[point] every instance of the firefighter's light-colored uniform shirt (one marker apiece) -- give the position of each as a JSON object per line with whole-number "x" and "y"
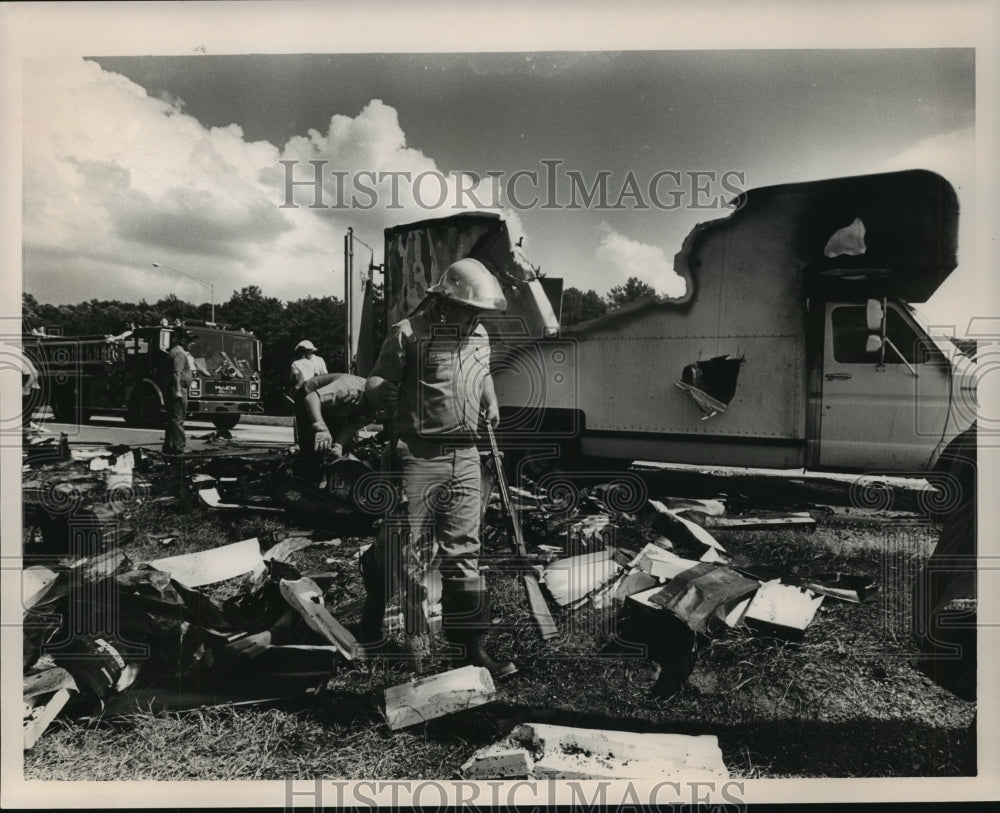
{"x": 441, "y": 377}
{"x": 305, "y": 368}
{"x": 181, "y": 367}
{"x": 343, "y": 396}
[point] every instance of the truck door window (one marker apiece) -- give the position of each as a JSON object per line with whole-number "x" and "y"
{"x": 850, "y": 332}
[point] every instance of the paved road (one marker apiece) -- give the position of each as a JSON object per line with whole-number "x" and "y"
{"x": 102, "y": 429}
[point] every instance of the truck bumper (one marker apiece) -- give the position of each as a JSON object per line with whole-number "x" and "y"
{"x": 199, "y": 407}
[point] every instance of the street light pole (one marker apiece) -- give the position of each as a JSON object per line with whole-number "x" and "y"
{"x": 209, "y": 285}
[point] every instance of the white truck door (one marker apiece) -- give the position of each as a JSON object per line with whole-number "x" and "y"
{"x": 880, "y": 416}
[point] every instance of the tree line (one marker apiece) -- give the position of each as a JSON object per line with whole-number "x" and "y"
{"x": 279, "y": 325}
{"x": 579, "y": 306}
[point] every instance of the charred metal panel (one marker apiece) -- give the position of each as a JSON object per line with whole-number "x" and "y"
{"x": 749, "y": 276}
{"x": 891, "y": 234}
{"x": 629, "y": 386}
{"x": 417, "y": 254}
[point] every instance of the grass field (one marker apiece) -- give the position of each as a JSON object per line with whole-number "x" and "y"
{"x": 844, "y": 702}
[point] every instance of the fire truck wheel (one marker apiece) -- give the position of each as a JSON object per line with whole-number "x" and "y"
{"x": 225, "y": 420}
{"x": 145, "y": 409}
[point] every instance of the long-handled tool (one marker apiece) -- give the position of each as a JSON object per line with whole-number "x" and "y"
{"x": 529, "y": 577}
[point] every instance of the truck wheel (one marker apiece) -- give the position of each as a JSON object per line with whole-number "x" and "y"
{"x": 225, "y": 420}
{"x": 145, "y": 409}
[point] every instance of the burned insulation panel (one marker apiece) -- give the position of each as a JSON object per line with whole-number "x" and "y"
{"x": 712, "y": 383}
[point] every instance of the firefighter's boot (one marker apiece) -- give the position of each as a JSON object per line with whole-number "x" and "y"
{"x": 465, "y": 619}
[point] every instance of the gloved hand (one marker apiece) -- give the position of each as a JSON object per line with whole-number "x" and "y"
{"x": 324, "y": 440}
{"x": 336, "y": 451}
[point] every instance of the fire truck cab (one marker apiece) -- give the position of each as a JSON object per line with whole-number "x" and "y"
{"x": 126, "y": 374}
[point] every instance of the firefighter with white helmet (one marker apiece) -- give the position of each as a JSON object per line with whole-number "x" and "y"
{"x": 307, "y": 364}
{"x": 433, "y": 380}
{"x": 467, "y": 282}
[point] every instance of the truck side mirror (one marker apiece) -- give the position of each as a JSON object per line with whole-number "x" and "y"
{"x": 874, "y": 315}
{"x": 873, "y": 344}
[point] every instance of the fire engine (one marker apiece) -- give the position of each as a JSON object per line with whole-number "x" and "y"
{"x": 126, "y": 374}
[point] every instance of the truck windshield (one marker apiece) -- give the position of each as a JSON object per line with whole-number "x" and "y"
{"x": 216, "y": 353}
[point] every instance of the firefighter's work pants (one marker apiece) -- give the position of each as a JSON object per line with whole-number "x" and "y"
{"x": 175, "y": 440}
{"x": 443, "y": 501}
{"x": 442, "y": 516}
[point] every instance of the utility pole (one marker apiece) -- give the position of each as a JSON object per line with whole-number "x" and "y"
{"x": 348, "y": 295}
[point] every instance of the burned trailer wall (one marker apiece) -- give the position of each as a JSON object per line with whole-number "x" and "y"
{"x": 733, "y": 373}
{"x": 528, "y": 368}
{"x": 744, "y": 301}
{"x": 417, "y": 254}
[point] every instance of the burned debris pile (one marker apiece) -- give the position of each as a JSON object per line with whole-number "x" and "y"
{"x": 106, "y": 633}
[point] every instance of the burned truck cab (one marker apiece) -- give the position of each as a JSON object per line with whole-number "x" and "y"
{"x": 887, "y": 390}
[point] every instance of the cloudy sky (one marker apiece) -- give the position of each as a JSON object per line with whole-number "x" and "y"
{"x": 177, "y": 159}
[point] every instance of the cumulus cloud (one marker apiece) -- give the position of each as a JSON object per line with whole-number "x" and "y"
{"x": 950, "y": 154}
{"x": 115, "y": 180}
{"x": 968, "y": 290}
{"x": 625, "y": 258}
{"x": 365, "y": 164}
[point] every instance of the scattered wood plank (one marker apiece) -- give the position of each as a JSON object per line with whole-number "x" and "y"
{"x": 561, "y": 752}
{"x": 713, "y": 508}
{"x": 759, "y": 523}
{"x": 48, "y": 682}
{"x": 498, "y": 761}
{"x": 41, "y": 716}
{"x": 783, "y": 484}
{"x": 590, "y": 532}
{"x": 305, "y": 597}
{"x": 423, "y": 699}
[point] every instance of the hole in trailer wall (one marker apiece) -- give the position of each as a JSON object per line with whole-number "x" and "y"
{"x": 712, "y": 383}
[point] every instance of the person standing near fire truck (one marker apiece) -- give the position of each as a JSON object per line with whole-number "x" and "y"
{"x": 180, "y": 369}
{"x": 433, "y": 380}
{"x": 307, "y": 365}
